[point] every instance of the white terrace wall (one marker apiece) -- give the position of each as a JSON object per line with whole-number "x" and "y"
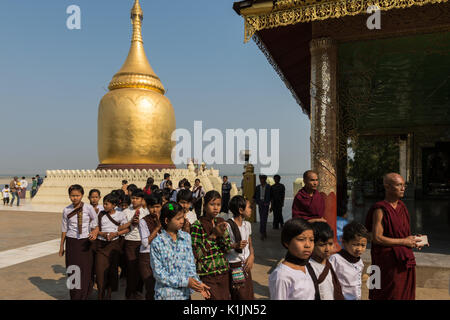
{"x": 54, "y": 189}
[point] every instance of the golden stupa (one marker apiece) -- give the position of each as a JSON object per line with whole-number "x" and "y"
{"x": 135, "y": 119}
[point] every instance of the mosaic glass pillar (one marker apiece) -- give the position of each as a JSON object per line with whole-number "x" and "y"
{"x": 324, "y": 117}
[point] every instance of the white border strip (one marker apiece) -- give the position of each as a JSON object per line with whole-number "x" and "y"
{"x": 15, "y": 256}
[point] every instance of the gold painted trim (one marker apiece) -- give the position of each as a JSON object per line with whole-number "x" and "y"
{"x": 121, "y": 85}
{"x": 289, "y": 12}
{"x": 136, "y": 80}
{"x": 258, "y": 9}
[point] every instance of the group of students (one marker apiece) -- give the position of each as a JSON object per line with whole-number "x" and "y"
{"x": 161, "y": 246}
{"x": 164, "y": 248}
{"x": 311, "y": 270}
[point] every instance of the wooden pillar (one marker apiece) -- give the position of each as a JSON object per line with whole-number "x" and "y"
{"x": 250, "y": 188}
{"x": 324, "y": 117}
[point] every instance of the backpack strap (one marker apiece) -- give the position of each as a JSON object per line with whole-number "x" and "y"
{"x": 100, "y": 216}
{"x": 236, "y": 233}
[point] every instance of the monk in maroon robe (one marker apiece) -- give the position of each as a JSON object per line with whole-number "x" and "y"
{"x": 392, "y": 243}
{"x": 308, "y": 203}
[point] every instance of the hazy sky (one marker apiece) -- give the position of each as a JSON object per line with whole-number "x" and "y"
{"x": 52, "y": 78}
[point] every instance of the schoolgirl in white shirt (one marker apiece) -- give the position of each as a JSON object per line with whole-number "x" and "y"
{"x": 149, "y": 227}
{"x": 76, "y": 236}
{"x": 241, "y": 257}
{"x": 291, "y": 279}
{"x": 133, "y": 243}
{"x": 108, "y": 247}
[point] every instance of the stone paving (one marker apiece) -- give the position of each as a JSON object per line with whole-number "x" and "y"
{"x": 44, "y": 278}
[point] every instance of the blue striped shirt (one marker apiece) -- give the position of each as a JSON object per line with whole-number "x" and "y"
{"x": 172, "y": 264}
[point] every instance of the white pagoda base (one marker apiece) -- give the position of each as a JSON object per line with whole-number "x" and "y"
{"x": 53, "y": 192}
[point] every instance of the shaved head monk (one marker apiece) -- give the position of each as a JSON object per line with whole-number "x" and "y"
{"x": 308, "y": 203}
{"x": 392, "y": 243}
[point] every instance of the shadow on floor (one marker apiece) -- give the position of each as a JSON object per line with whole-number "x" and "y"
{"x": 54, "y": 288}
{"x": 270, "y": 251}
{"x": 261, "y": 290}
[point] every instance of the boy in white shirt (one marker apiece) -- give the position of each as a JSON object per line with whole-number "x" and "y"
{"x": 5, "y": 192}
{"x": 327, "y": 280}
{"x": 185, "y": 199}
{"x": 133, "y": 243}
{"x": 348, "y": 263}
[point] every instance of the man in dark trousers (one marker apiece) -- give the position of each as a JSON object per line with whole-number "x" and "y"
{"x": 278, "y": 192}
{"x": 262, "y": 199}
{"x": 226, "y": 188}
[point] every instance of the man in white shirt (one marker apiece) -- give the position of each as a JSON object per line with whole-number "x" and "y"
{"x": 162, "y": 185}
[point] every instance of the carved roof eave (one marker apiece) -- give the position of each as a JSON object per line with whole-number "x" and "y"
{"x": 259, "y": 42}
{"x": 266, "y": 15}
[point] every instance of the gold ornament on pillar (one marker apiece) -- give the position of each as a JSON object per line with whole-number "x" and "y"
{"x": 324, "y": 110}
{"x": 135, "y": 119}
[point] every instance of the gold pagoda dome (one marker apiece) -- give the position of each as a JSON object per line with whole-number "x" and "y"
{"x": 135, "y": 119}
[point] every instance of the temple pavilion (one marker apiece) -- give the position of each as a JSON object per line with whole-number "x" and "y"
{"x": 355, "y": 79}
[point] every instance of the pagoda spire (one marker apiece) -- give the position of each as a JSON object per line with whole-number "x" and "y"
{"x": 136, "y": 72}
{"x": 137, "y": 15}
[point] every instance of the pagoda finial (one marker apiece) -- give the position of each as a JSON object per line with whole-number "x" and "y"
{"x": 136, "y": 72}
{"x": 137, "y": 15}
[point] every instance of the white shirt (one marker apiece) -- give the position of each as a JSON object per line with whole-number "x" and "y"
{"x": 133, "y": 235}
{"x": 199, "y": 192}
{"x": 286, "y": 283}
{"x": 120, "y": 210}
{"x": 70, "y": 226}
{"x": 23, "y": 184}
{"x": 349, "y": 275}
{"x": 6, "y": 192}
{"x": 246, "y": 231}
{"x": 108, "y": 226}
{"x": 173, "y": 195}
{"x": 263, "y": 192}
{"x": 100, "y": 209}
{"x": 144, "y": 233}
{"x": 191, "y": 216}
{"x": 162, "y": 184}
{"x": 326, "y": 288}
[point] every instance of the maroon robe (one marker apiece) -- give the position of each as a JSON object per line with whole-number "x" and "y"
{"x": 307, "y": 207}
{"x": 397, "y": 263}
